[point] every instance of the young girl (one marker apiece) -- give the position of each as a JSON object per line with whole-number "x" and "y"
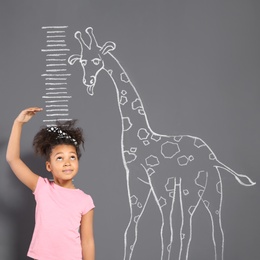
{"x": 64, "y": 215}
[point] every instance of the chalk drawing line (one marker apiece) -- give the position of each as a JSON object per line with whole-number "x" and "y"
{"x": 148, "y": 158}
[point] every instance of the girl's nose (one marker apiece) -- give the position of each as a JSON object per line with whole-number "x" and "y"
{"x": 67, "y": 163}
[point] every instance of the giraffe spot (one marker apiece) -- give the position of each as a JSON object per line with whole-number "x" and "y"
{"x": 182, "y": 236}
{"x": 124, "y": 77}
{"x": 191, "y": 209}
{"x": 201, "y": 179}
{"x": 183, "y": 160}
{"x": 152, "y": 161}
{"x": 171, "y": 194}
{"x": 129, "y": 157}
{"x": 219, "y": 187}
{"x": 150, "y": 171}
{"x": 126, "y": 123}
{"x": 186, "y": 192}
{"x": 136, "y": 218}
{"x": 124, "y": 92}
{"x": 191, "y": 158}
{"x": 142, "y": 134}
{"x": 162, "y": 202}
{"x": 177, "y": 138}
{"x": 212, "y": 156}
{"x": 146, "y": 142}
{"x": 206, "y": 203}
{"x": 133, "y": 199}
{"x": 200, "y": 193}
{"x": 169, "y": 186}
{"x": 110, "y": 72}
{"x": 139, "y": 205}
{"x": 199, "y": 143}
{"x": 156, "y": 138}
{"x": 133, "y": 149}
{"x": 169, "y": 149}
{"x": 123, "y": 100}
{"x": 136, "y": 104}
{"x": 141, "y": 111}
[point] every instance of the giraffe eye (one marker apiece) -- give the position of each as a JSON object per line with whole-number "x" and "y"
{"x": 84, "y": 62}
{"x": 96, "y": 61}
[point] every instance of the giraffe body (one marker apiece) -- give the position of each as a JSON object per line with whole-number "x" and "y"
{"x": 166, "y": 167}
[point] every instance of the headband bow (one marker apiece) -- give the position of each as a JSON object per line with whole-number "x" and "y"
{"x": 61, "y": 134}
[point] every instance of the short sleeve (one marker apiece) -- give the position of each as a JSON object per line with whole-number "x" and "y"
{"x": 40, "y": 183}
{"x": 88, "y": 204}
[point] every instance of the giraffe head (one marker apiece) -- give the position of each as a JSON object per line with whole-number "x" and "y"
{"x": 90, "y": 58}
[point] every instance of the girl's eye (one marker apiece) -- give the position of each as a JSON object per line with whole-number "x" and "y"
{"x": 59, "y": 158}
{"x": 73, "y": 157}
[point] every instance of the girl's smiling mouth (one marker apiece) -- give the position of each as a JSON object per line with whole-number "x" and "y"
{"x": 68, "y": 171}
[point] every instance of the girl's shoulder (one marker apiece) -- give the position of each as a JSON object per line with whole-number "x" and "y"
{"x": 41, "y": 183}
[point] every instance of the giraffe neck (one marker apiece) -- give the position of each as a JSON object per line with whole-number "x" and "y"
{"x": 129, "y": 102}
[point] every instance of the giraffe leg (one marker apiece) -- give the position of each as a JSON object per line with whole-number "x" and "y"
{"x": 166, "y": 208}
{"x": 190, "y": 197}
{"x": 186, "y": 230}
{"x": 185, "y": 236}
{"x": 213, "y": 206}
{"x": 165, "y": 199}
{"x": 139, "y": 193}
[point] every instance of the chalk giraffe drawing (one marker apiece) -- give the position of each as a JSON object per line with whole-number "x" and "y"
{"x": 168, "y": 167}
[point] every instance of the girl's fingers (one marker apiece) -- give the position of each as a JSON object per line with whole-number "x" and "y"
{"x": 28, "y": 113}
{"x": 34, "y": 109}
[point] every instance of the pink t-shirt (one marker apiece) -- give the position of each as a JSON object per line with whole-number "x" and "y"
{"x": 57, "y": 220}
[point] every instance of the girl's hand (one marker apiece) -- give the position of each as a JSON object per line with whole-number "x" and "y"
{"x": 27, "y": 114}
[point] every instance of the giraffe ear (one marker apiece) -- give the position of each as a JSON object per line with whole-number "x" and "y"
{"x": 73, "y": 58}
{"x": 107, "y": 47}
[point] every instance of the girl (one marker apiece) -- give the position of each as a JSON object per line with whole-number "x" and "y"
{"x": 64, "y": 215}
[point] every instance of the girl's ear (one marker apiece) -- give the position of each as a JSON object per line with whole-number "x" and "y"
{"x": 48, "y": 166}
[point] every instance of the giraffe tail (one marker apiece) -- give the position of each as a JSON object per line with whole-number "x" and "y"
{"x": 241, "y": 178}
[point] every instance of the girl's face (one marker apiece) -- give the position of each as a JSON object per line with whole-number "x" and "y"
{"x": 63, "y": 163}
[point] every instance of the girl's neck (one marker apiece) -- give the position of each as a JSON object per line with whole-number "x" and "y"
{"x": 65, "y": 184}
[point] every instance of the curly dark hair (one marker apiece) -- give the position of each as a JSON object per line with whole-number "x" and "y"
{"x": 63, "y": 133}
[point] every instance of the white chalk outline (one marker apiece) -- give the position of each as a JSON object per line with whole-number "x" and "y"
{"x": 202, "y": 181}
{"x": 55, "y": 74}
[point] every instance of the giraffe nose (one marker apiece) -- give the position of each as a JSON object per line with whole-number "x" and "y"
{"x": 92, "y": 80}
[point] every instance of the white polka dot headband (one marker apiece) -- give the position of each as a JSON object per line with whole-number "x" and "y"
{"x": 61, "y": 134}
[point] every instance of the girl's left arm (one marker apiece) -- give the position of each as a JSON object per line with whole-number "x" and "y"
{"x": 87, "y": 236}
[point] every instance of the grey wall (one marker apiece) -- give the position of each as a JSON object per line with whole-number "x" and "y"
{"x": 195, "y": 65}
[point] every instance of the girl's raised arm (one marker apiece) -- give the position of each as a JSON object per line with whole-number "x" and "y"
{"x": 20, "y": 169}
